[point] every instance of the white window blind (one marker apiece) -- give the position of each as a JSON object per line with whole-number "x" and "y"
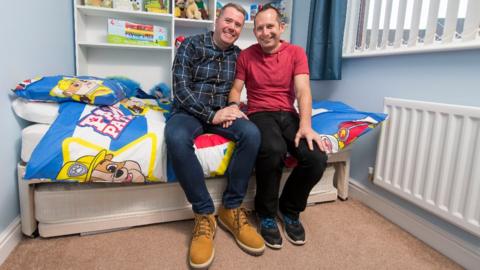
{"x": 382, "y": 27}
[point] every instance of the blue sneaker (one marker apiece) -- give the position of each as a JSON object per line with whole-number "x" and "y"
{"x": 293, "y": 229}
{"x": 270, "y": 233}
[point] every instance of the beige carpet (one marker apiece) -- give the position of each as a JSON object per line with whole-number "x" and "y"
{"x": 340, "y": 235}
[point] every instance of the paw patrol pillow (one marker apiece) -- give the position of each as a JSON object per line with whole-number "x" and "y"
{"x": 341, "y": 124}
{"x": 213, "y": 152}
{"x": 86, "y": 89}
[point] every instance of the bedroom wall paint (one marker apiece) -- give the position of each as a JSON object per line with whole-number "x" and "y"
{"x": 449, "y": 77}
{"x": 37, "y": 40}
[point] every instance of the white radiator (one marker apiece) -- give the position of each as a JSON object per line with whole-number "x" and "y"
{"x": 429, "y": 154}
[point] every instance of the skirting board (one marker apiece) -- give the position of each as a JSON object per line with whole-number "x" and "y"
{"x": 444, "y": 242}
{"x": 9, "y": 239}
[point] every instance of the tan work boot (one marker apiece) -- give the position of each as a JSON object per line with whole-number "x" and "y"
{"x": 202, "y": 249}
{"x": 236, "y": 222}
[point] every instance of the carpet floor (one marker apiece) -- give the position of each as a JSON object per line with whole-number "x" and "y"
{"x": 340, "y": 235}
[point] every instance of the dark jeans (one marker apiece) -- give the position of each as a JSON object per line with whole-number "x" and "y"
{"x": 180, "y": 132}
{"x": 278, "y": 131}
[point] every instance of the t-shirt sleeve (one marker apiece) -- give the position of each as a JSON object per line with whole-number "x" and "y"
{"x": 301, "y": 62}
{"x": 241, "y": 67}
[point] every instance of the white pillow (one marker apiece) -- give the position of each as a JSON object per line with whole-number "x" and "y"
{"x": 35, "y": 111}
{"x": 31, "y": 136}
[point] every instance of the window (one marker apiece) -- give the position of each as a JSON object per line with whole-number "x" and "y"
{"x": 381, "y": 27}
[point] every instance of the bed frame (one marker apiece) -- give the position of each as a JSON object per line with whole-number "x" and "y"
{"x": 71, "y": 208}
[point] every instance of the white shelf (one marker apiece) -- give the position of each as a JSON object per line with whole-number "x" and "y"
{"x": 122, "y": 46}
{"x": 193, "y": 23}
{"x": 248, "y": 25}
{"x": 109, "y": 12}
{"x": 148, "y": 65}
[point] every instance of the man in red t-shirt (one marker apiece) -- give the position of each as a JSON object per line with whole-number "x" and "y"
{"x": 275, "y": 73}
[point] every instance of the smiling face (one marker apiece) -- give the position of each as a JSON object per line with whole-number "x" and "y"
{"x": 268, "y": 29}
{"x": 117, "y": 172}
{"x": 228, "y": 27}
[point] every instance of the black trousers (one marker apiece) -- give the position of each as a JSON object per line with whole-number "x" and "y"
{"x": 278, "y": 130}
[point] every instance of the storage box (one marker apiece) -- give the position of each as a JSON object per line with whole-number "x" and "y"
{"x": 125, "y": 32}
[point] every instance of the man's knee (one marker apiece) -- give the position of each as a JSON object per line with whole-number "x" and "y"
{"x": 273, "y": 150}
{"x": 251, "y": 133}
{"x": 315, "y": 158}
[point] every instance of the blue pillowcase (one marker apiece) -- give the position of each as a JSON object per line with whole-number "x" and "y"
{"x": 86, "y": 89}
{"x": 342, "y": 124}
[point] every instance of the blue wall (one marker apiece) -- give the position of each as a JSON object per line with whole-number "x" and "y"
{"x": 449, "y": 77}
{"x": 37, "y": 39}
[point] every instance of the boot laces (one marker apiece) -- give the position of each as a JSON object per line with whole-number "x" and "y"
{"x": 240, "y": 217}
{"x": 203, "y": 226}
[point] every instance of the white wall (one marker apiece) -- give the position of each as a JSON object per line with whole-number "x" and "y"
{"x": 36, "y": 39}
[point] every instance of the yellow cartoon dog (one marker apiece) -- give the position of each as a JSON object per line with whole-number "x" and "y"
{"x": 101, "y": 168}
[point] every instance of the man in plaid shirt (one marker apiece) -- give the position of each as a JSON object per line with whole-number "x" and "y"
{"x": 203, "y": 72}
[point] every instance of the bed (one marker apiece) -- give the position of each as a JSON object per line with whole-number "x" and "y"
{"x": 62, "y": 208}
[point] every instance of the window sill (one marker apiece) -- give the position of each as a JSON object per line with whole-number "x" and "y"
{"x": 440, "y": 47}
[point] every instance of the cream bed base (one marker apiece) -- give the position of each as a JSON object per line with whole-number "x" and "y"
{"x": 63, "y": 208}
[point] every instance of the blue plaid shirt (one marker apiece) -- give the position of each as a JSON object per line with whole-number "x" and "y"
{"x": 203, "y": 76}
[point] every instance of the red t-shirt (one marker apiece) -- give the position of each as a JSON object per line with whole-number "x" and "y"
{"x": 269, "y": 78}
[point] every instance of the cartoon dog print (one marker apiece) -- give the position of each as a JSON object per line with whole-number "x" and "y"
{"x": 101, "y": 168}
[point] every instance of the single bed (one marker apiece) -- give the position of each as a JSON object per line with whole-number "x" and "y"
{"x": 62, "y": 208}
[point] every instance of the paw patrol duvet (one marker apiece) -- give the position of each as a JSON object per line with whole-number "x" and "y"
{"x": 121, "y": 143}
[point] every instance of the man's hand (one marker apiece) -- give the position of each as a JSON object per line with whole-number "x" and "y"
{"x": 310, "y": 135}
{"x": 227, "y": 115}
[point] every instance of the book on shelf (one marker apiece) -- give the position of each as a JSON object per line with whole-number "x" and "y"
{"x": 99, "y": 3}
{"x": 125, "y": 32}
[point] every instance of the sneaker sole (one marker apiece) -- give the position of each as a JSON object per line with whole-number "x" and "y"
{"x": 247, "y": 249}
{"x": 276, "y": 247}
{"x": 203, "y": 265}
{"x": 298, "y": 242}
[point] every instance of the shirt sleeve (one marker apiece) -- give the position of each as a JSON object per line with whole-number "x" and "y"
{"x": 301, "y": 62}
{"x": 241, "y": 66}
{"x": 182, "y": 77}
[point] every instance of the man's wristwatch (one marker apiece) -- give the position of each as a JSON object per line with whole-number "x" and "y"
{"x": 234, "y": 103}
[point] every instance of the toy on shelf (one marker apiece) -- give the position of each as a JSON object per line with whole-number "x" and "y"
{"x": 99, "y": 3}
{"x": 125, "y": 32}
{"x": 157, "y": 6}
{"x": 131, "y": 5}
{"x": 218, "y": 8}
{"x": 281, "y": 6}
{"x": 254, "y": 8}
{"x": 192, "y": 11}
{"x": 179, "y": 10}
{"x": 202, "y": 8}
{"x": 178, "y": 41}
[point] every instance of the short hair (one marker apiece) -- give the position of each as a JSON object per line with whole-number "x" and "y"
{"x": 235, "y": 6}
{"x": 267, "y": 7}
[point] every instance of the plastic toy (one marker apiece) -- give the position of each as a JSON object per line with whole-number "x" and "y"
{"x": 178, "y": 41}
